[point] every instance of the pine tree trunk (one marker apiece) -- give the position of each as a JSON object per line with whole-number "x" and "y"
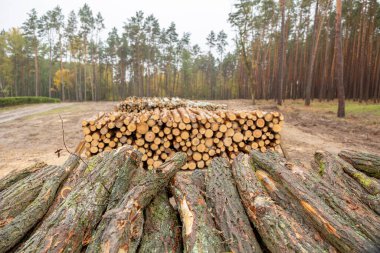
{"x": 124, "y": 223}
{"x": 278, "y": 229}
{"x": 339, "y": 61}
{"x": 284, "y": 199}
{"x": 227, "y": 209}
{"x": 198, "y": 228}
{"x": 310, "y": 191}
{"x": 16, "y": 198}
{"x": 367, "y": 163}
{"x": 69, "y": 227}
{"x": 122, "y": 184}
{"x": 281, "y": 54}
{"x": 36, "y": 71}
{"x": 333, "y": 191}
{"x": 15, "y": 175}
{"x": 18, "y": 225}
{"x": 162, "y": 229}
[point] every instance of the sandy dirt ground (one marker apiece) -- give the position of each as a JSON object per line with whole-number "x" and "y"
{"x": 30, "y": 134}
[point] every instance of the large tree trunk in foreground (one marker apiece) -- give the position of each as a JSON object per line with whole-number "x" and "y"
{"x": 162, "y": 229}
{"x": 16, "y": 198}
{"x": 20, "y": 224}
{"x": 15, "y": 175}
{"x": 199, "y": 233}
{"x": 120, "y": 188}
{"x": 333, "y": 190}
{"x": 282, "y": 198}
{"x": 367, "y": 163}
{"x": 310, "y": 191}
{"x": 123, "y": 233}
{"x": 227, "y": 209}
{"x": 70, "y": 226}
{"x": 278, "y": 229}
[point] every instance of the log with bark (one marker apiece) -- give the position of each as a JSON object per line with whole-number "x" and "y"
{"x": 278, "y": 229}
{"x": 124, "y": 222}
{"x": 199, "y": 233}
{"x": 227, "y": 209}
{"x": 365, "y": 162}
{"x": 119, "y": 189}
{"x": 261, "y": 203}
{"x": 16, "y": 175}
{"x": 20, "y": 217}
{"x": 162, "y": 229}
{"x": 321, "y": 204}
{"x": 69, "y": 227}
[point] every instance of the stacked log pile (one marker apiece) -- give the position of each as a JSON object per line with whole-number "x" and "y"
{"x": 201, "y": 134}
{"x": 137, "y": 104}
{"x": 259, "y": 203}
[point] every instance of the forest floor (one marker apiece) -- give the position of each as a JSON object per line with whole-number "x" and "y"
{"x": 33, "y": 133}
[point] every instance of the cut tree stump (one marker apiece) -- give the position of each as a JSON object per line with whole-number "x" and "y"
{"x": 69, "y": 227}
{"x": 277, "y": 228}
{"x": 199, "y": 233}
{"x": 228, "y": 211}
{"x": 308, "y": 189}
{"x": 365, "y": 162}
{"x": 123, "y": 233}
{"x": 162, "y": 229}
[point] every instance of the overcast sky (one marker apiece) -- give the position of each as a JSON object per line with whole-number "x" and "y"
{"x": 198, "y": 17}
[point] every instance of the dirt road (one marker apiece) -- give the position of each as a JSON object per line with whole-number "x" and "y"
{"x": 36, "y": 133}
{"x": 20, "y": 112}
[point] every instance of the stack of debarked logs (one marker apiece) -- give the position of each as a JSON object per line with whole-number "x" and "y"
{"x": 260, "y": 203}
{"x": 200, "y": 133}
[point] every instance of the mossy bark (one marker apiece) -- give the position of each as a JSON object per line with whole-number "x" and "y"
{"x": 227, "y": 209}
{"x": 16, "y": 198}
{"x": 319, "y": 204}
{"x": 199, "y": 233}
{"x": 278, "y": 229}
{"x": 333, "y": 190}
{"x": 370, "y": 184}
{"x": 17, "y": 175}
{"x": 365, "y": 162}
{"x": 70, "y": 226}
{"x": 124, "y": 225}
{"x": 281, "y": 197}
{"x": 17, "y": 228}
{"x": 359, "y": 185}
{"x": 120, "y": 188}
{"x": 162, "y": 229}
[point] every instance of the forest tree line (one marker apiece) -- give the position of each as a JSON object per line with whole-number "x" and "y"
{"x": 66, "y": 57}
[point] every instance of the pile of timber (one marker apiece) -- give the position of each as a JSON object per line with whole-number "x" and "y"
{"x": 260, "y": 203}
{"x": 201, "y": 134}
{"x": 138, "y": 104}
